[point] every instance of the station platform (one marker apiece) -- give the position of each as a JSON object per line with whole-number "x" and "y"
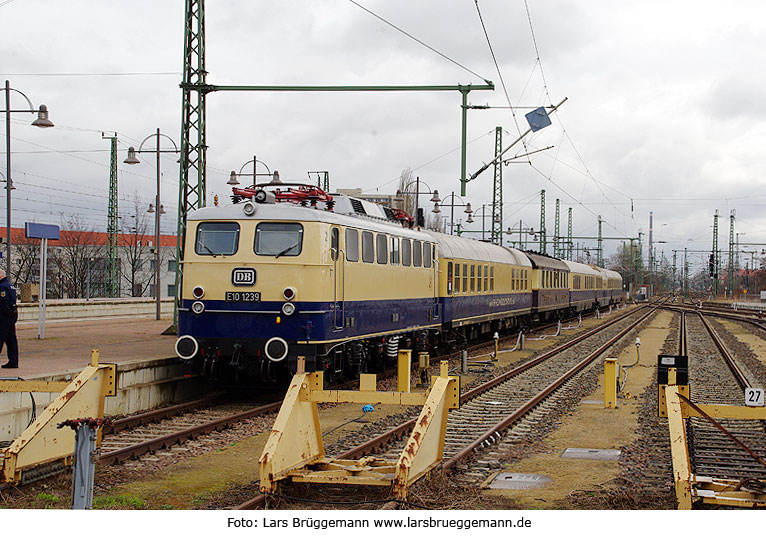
{"x": 68, "y": 343}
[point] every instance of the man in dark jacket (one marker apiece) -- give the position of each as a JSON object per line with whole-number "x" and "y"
{"x": 8, "y": 316}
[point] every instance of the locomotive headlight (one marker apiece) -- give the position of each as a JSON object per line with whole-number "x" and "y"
{"x": 288, "y": 308}
{"x": 198, "y": 307}
{"x": 198, "y": 292}
{"x": 289, "y": 293}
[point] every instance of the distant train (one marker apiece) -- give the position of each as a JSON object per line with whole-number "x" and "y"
{"x": 288, "y": 270}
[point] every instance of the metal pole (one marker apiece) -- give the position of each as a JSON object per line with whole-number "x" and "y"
{"x": 463, "y": 138}
{"x": 84, "y": 469}
{"x": 43, "y": 289}
{"x": 452, "y": 213}
{"x": 157, "y": 232}
{"x": 87, "y": 281}
{"x": 8, "y": 183}
{"x": 255, "y": 179}
{"x": 482, "y": 222}
{"x": 417, "y": 193}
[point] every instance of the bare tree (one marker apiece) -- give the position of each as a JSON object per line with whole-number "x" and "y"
{"x": 79, "y": 250}
{"x": 405, "y": 178}
{"x": 26, "y": 265}
{"x": 135, "y": 252}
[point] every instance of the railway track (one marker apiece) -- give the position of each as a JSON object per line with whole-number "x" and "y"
{"x": 716, "y": 376}
{"x": 518, "y": 399}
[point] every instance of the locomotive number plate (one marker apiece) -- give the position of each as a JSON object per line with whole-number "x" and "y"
{"x": 243, "y": 296}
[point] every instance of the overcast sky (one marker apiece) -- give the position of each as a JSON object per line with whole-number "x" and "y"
{"x": 665, "y": 105}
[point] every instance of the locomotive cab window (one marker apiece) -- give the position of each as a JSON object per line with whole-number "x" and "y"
{"x": 217, "y": 239}
{"x": 278, "y": 239}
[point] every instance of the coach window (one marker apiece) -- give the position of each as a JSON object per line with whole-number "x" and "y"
{"x": 278, "y": 239}
{"x": 427, "y": 254}
{"x": 449, "y": 278}
{"x": 478, "y": 279}
{"x": 352, "y": 245}
{"x": 465, "y": 278}
{"x": 382, "y": 243}
{"x": 417, "y": 253}
{"x": 406, "y": 252}
{"x": 473, "y": 277}
{"x": 217, "y": 239}
{"x": 492, "y": 278}
{"x": 526, "y": 286}
{"x": 394, "y": 250}
{"x": 368, "y": 248}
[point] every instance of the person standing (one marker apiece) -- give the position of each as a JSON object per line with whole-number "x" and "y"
{"x": 8, "y": 316}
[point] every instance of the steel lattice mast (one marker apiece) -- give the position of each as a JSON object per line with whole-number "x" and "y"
{"x": 542, "y": 221}
{"x": 112, "y": 280}
{"x": 569, "y": 236}
{"x": 497, "y": 193}
{"x": 556, "y": 232}
{"x": 731, "y": 254}
{"x": 600, "y": 260}
{"x": 192, "y": 179}
{"x": 715, "y": 253}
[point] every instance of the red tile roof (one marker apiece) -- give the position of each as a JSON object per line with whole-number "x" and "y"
{"x": 92, "y": 238}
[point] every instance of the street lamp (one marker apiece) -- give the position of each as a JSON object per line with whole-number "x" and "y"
{"x": 132, "y": 159}
{"x": 435, "y": 198}
{"x": 234, "y": 175}
{"x": 452, "y": 205}
{"x": 42, "y": 121}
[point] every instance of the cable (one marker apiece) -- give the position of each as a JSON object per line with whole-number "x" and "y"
{"x": 392, "y": 25}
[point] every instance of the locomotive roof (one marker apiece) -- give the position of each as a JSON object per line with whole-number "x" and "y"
{"x": 455, "y": 247}
{"x": 285, "y": 211}
{"x": 544, "y": 261}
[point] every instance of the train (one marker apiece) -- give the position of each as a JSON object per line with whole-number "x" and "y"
{"x": 288, "y": 271}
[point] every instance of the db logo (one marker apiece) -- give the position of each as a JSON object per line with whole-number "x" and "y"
{"x": 243, "y": 276}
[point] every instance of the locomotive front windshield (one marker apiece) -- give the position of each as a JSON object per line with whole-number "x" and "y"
{"x": 217, "y": 239}
{"x": 278, "y": 239}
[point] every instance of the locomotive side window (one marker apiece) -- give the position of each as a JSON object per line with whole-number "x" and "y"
{"x": 278, "y": 239}
{"x": 449, "y": 278}
{"x": 394, "y": 250}
{"x": 406, "y": 252}
{"x": 334, "y": 243}
{"x": 352, "y": 245}
{"x": 417, "y": 253}
{"x": 368, "y": 249}
{"x": 427, "y": 255}
{"x": 217, "y": 239}
{"x": 382, "y": 242}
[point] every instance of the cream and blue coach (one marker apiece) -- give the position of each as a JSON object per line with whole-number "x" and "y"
{"x": 482, "y": 286}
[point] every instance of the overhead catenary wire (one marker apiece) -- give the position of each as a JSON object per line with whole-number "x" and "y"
{"x": 421, "y": 42}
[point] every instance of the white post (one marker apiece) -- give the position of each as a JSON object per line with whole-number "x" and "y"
{"x": 43, "y": 289}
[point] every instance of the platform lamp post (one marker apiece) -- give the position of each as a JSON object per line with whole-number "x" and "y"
{"x": 234, "y": 175}
{"x": 42, "y": 121}
{"x": 434, "y": 198}
{"x": 157, "y": 207}
{"x": 452, "y": 205}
